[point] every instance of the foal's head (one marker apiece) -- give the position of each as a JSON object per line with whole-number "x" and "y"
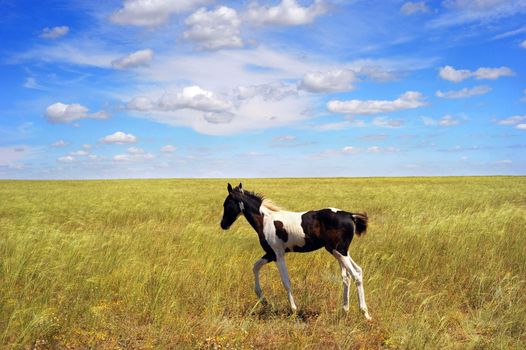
{"x": 232, "y": 206}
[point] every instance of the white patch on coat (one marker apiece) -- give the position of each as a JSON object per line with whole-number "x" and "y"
{"x": 291, "y": 224}
{"x": 335, "y": 210}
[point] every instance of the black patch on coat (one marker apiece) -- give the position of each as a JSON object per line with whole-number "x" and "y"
{"x": 280, "y": 231}
{"x": 269, "y": 257}
{"x": 325, "y": 228}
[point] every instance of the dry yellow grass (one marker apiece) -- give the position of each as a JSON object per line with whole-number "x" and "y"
{"x": 144, "y": 264}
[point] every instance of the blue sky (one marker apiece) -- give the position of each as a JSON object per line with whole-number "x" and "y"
{"x": 203, "y": 88}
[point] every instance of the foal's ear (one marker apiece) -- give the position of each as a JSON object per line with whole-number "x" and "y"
{"x": 240, "y": 186}
{"x": 229, "y": 187}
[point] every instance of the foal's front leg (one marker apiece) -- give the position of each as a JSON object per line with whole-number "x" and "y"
{"x": 257, "y": 266}
{"x": 280, "y": 261}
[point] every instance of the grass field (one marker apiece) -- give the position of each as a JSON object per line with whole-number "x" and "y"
{"x": 143, "y": 264}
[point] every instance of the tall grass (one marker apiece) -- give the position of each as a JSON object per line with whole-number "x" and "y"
{"x": 144, "y": 264}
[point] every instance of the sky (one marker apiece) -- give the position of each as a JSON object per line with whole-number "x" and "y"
{"x": 234, "y": 89}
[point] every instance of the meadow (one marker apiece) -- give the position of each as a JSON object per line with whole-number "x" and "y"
{"x": 143, "y": 264}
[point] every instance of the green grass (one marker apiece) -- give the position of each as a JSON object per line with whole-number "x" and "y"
{"x": 144, "y": 264}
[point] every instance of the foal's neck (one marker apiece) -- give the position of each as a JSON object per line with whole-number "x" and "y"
{"x": 251, "y": 212}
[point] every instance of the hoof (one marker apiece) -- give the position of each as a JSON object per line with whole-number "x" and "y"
{"x": 294, "y": 309}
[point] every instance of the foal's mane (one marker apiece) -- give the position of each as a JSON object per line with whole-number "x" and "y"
{"x": 270, "y": 205}
{"x": 265, "y": 202}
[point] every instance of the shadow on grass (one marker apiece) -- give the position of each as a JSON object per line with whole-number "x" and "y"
{"x": 267, "y": 311}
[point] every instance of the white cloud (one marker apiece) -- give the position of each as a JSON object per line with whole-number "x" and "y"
{"x": 133, "y": 157}
{"x": 260, "y": 96}
{"x": 476, "y": 5}
{"x": 54, "y": 32}
{"x": 135, "y": 150}
{"x": 152, "y": 12}
{"x": 343, "y": 79}
{"x": 387, "y": 123}
{"x": 376, "y": 73}
{"x": 521, "y": 126}
{"x": 66, "y": 113}
{"x": 214, "y": 30}
{"x": 140, "y": 103}
{"x": 457, "y": 75}
{"x": 493, "y": 73}
{"x": 59, "y": 143}
{"x": 81, "y": 52}
{"x": 350, "y": 149}
{"x": 11, "y": 156}
{"x": 286, "y": 13}
{"x": 210, "y": 113}
{"x": 224, "y": 117}
{"x": 510, "y": 33}
{"x": 428, "y": 121}
{"x": 447, "y": 120}
{"x": 330, "y": 81}
{"x": 269, "y": 92}
{"x": 377, "y": 149}
{"x": 371, "y": 149}
{"x": 465, "y": 92}
{"x": 66, "y": 159}
{"x": 193, "y": 97}
{"x": 350, "y": 122}
{"x": 523, "y": 44}
{"x": 168, "y": 149}
{"x": 122, "y": 158}
{"x": 223, "y": 70}
{"x": 135, "y": 59}
{"x": 468, "y": 11}
{"x": 410, "y": 8}
{"x": 31, "y": 83}
{"x": 79, "y": 153}
{"x": 514, "y": 120}
{"x": 409, "y": 100}
{"x": 119, "y": 138}
{"x": 284, "y": 138}
{"x": 214, "y": 108}
{"x": 454, "y": 75}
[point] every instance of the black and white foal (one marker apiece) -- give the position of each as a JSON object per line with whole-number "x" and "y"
{"x": 282, "y": 231}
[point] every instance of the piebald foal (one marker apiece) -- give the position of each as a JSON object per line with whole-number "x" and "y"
{"x": 282, "y": 231}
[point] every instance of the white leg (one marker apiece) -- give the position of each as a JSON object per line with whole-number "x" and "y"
{"x": 358, "y": 279}
{"x": 346, "y": 282}
{"x": 359, "y": 285}
{"x": 286, "y": 281}
{"x": 257, "y": 266}
{"x": 355, "y": 265}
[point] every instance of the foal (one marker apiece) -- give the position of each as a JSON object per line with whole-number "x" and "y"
{"x": 282, "y": 231}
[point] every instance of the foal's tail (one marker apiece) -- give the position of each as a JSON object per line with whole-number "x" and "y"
{"x": 360, "y": 220}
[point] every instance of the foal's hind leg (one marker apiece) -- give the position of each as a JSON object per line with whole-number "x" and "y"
{"x": 257, "y": 266}
{"x": 346, "y": 282}
{"x": 356, "y": 273}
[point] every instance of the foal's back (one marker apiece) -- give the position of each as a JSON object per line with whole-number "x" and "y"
{"x": 307, "y": 231}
